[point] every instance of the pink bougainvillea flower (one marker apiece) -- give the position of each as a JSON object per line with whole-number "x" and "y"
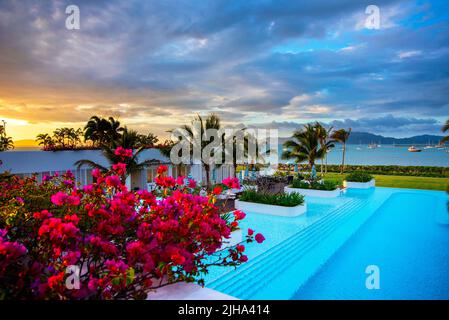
{"x": 232, "y": 183}
{"x": 88, "y": 189}
{"x": 162, "y": 169}
{"x": 113, "y": 181}
{"x": 259, "y": 238}
{"x": 60, "y": 198}
{"x": 96, "y": 173}
{"x": 239, "y": 215}
{"x": 127, "y": 242}
{"x": 166, "y": 182}
{"x": 123, "y": 153}
{"x": 180, "y": 180}
{"x": 192, "y": 183}
{"x": 120, "y": 168}
{"x": 217, "y": 190}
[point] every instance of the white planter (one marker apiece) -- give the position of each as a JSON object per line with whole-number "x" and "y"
{"x": 270, "y": 209}
{"x": 236, "y": 237}
{"x": 359, "y": 185}
{"x": 314, "y": 193}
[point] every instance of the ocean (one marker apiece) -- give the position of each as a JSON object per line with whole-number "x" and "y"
{"x": 383, "y": 155}
{"x": 389, "y": 155}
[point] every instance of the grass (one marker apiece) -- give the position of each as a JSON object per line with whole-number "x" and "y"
{"x": 412, "y": 182}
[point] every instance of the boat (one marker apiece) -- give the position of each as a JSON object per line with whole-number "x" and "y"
{"x": 428, "y": 146}
{"x": 372, "y": 146}
{"x": 413, "y": 149}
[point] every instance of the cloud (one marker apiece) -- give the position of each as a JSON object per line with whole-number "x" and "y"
{"x": 164, "y": 61}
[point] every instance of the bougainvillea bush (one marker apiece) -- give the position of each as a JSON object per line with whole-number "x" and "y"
{"x": 123, "y": 243}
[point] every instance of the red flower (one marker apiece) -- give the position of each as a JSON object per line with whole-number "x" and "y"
{"x": 60, "y": 198}
{"x": 192, "y": 183}
{"x": 55, "y": 280}
{"x": 243, "y": 258}
{"x": 240, "y": 248}
{"x": 250, "y": 232}
{"x": 123, "y": 153}
{"x": 239, "y": 215}
{"x": 259, "y": 238}
{"x": 232, "y": 183}
{"x": 96, "y": 173}
{"x": 177, "y": 258}
{"x": 113, "y": 181}
{"x": 166, "y": 182}
{"x": 162, "y": 169}
{"x": 217, "y": 190}
{"x": 120, "y": 168}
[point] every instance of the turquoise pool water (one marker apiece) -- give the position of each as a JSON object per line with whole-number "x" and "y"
{"x": 324, "y": 254}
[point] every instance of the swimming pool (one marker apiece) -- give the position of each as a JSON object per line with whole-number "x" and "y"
{"x": 324, "y": 254}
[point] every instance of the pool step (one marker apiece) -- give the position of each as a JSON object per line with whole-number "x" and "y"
{"x": 254, "y": 275}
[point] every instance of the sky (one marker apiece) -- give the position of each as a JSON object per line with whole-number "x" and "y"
{"x": 267, "y": 64}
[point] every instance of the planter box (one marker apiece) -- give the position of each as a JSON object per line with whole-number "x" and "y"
{"x": 270, "y": 209}
{"x": 359, "y": 185}
{"x": 236, "y": 237}
{"x": 314, "y": 193}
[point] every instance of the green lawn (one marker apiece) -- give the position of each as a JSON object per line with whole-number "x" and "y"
{"x": 402, "y": 181}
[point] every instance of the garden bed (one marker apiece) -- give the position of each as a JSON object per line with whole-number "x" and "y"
{"x": 359, "y": 185}
{"x": 271, "y": 209}
{"x": 359, "y": 180}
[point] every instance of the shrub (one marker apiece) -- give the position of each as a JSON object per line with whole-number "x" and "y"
{"x": 359, "y": 177}
{"x": 123, "y": 244}
{"x": 282, "y": 199}
{"x": 422, "y": 171}
{"x": 327, "y": 185}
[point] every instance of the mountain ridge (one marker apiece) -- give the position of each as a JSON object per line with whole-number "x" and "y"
{"x": 367, "y": 138}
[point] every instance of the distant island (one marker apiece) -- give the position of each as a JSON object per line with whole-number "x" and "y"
{"x": 367, "y": 138}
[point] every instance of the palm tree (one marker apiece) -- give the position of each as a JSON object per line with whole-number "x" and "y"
{"x": 444, "y": 129}
{"x": 132, "y": 164}
{"x": 342, "y": 136}
{"x": 304, "y": 146}
{"x": 211, "y": 122}
{"x": 6, "y": 143}
{"x": 148, "y": 140}
{"x": 45, "y": 140}
{"x": 242, "y": 147}
{"x": 323, "y": 137}
{"x": 102, "y": 131}
{"x": 129, "y": 139}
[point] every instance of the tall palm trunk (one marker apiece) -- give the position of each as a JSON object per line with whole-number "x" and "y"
{"x": 343, "y": 160}
{"x": 325, "y": 167}
{"x": 207, "y": 169}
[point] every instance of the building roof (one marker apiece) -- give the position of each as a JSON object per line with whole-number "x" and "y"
{"x": 42, "y": 161}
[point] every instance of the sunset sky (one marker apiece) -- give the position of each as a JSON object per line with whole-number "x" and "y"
{"x": 271, "y": 64}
